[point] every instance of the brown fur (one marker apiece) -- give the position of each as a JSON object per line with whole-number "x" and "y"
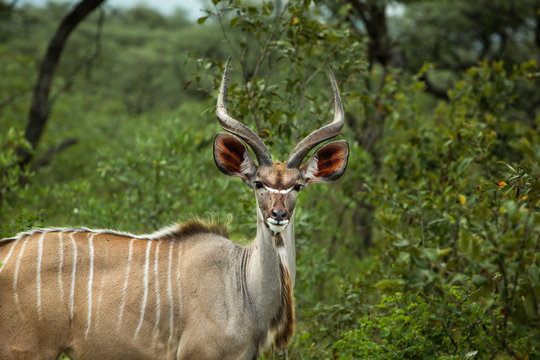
{"x": 330, "y": 159}
{"x": 29, "y": 333}
{"x": 283, "y": 322}
{"x": 279, "y": 176}
{"x": 229, "y": 154}
{"x": 197, "y": 226}
{"x": 330, "y": 162}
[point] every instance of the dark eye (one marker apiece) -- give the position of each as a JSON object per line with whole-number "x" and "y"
{"x": 298, "y": 187}
{"x": 258, "y": 184}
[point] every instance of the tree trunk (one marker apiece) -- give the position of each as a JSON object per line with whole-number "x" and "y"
{"x": 373, "y": 15}
{"x": 537, "y": 27}
{"x": 41, "y": 104}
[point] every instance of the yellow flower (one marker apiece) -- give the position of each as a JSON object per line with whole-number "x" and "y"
{"x": 524, "y": 197}
{"x": 501, "y": 184}
{"x": 462, "y": 199}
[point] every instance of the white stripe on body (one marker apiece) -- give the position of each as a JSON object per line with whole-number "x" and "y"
{"x": 145, "y": 292}
{"x": 156, "y": 276}
{"x": 90, "y": 279}
{"x": 178, "y": 280}
{"x": 124, "y": 288}
{"x": 9, "y": 254}
{"x": 60, "y": 264}
{"x": 169, "y": 293}
{"x": 16, "y": 273}
{"x": 73, "y": 273}
{"x": 38, "y": 273}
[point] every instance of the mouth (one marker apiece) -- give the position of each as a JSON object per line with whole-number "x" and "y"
{"x": 277, "y": 226}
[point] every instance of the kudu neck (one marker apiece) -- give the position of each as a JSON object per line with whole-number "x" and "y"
{"x": 264, "y": 272}
{"x": 277, "y": 246}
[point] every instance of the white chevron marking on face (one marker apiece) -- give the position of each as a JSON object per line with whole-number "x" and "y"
{"x": 277, "y": 191}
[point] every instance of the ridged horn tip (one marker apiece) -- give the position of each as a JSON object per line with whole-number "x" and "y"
{"x": 237, "y": 128}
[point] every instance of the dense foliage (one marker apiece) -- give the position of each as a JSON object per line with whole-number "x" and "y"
{"x": 429, "y": 245}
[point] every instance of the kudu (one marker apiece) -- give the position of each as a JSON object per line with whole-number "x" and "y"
{"x": 185, "y": 292}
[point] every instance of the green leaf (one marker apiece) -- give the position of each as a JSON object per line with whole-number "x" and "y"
{"x": 387, "y": 284}
{"x": 508, "y": 166}
{"x": 534, "y": 273}
{"x": 202, "y": 19}
{"x": 401, "y": 243}
{"x": 479, "y": 279}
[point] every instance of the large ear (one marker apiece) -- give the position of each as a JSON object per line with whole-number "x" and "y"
{"x": 328, "y": 163}
{"x": 232, "y": 157}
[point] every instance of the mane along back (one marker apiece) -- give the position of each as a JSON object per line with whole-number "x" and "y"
{"x": 175, "y": 231}
{"x": 193, "y": 227}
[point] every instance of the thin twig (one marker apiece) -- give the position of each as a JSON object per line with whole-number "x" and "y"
{"x": 14, "y": 97}
{"x": 262, "y": 57}
{"x": 220, "y": 20}
{"x": 47, "y": 156}
{"x": 520, "y": 257}
{"x": 86, "y": 63}
{"x": 268, "y": 40}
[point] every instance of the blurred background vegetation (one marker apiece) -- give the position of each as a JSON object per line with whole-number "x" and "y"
{"x": 429, "y": 245}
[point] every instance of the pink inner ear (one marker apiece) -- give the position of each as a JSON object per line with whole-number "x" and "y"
{"x": 230, "y": 153}
{"x": 328, "y": 167}
{"x": 328, "y": 163}
{"x": 330, "y": 159}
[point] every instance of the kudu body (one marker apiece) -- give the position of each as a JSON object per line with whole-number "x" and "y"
{"x": 185, "y": 292}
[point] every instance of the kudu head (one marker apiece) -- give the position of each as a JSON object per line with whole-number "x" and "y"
{"x": 277, "y": 184}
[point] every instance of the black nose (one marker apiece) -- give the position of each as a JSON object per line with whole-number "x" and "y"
{"x": 279, "y": 214}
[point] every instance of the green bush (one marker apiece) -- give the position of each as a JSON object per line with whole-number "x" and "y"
{"x": 457, "y": 209}
{"x": 420, "y": 327}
